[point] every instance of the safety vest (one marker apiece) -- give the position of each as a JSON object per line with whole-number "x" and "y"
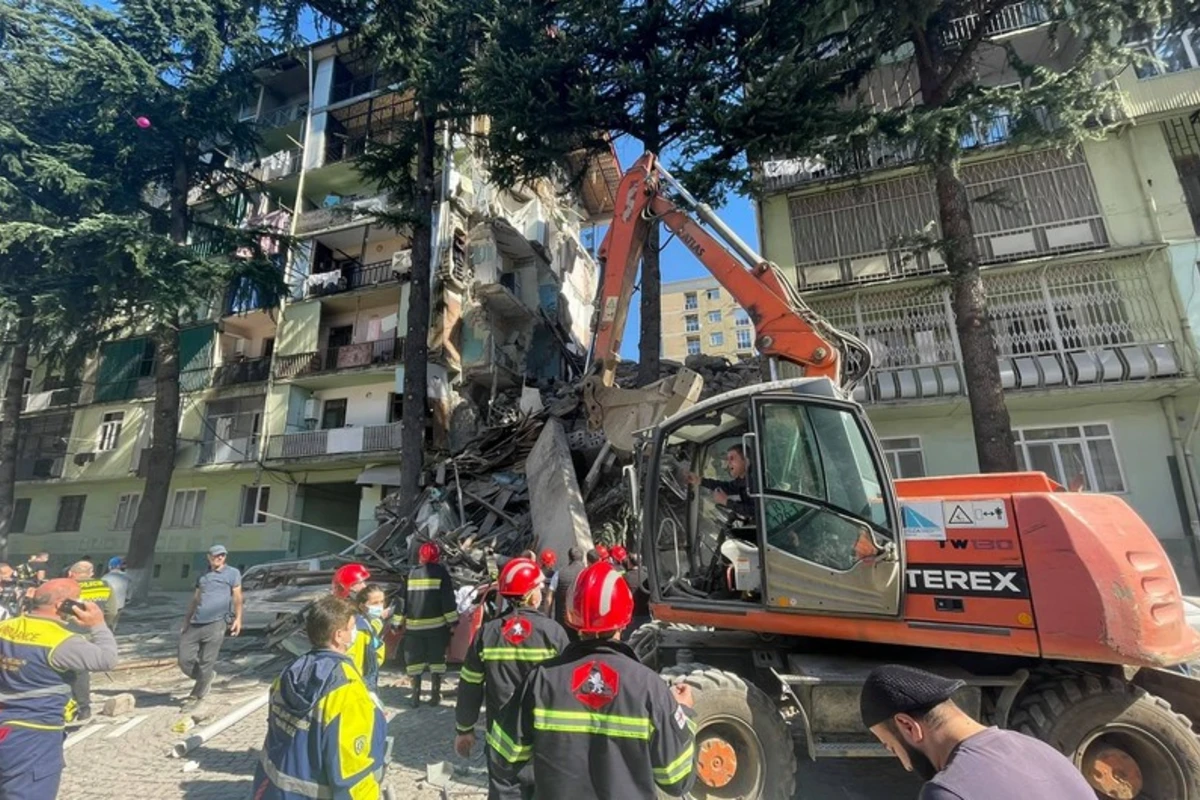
{"x": 429, "y": 599}
{"x": 33, "y": 694}
{"x": 367, "y": 651}
{"x": 95, "y": 591}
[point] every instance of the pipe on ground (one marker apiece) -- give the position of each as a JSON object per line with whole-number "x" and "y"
{"x": 201, "y": 736}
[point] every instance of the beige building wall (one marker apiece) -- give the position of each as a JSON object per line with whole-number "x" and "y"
{"x": 700, "y": 316}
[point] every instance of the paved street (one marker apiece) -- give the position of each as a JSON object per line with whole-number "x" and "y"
{"x": 129, "y": 754}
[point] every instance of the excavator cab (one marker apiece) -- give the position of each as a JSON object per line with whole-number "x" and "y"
{"x": 774, "y": 496}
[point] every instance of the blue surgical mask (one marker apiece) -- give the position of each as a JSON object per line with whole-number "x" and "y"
{"x": 375, "y": 612}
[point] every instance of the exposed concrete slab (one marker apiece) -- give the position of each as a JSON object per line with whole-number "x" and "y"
{"x": 555, "y": 502}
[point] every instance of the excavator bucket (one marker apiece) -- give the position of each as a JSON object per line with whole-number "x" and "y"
{"x": 621, "y": 413}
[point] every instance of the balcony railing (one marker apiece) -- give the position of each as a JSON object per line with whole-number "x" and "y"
{"x": 279, "y": 164}
{"x": 340, "y": 147}
{"x": 1069, "y": 325}
{"x": 55, "y": 398}
{"x": 345, "y": 279}
{"x": 351, "y": 356}
{"x": 341, "y": 215}
{"x": 284, "y": 115}
{"x": 337, "y": 441}
{"x": 232, "y": 451}
{"x": 1012, "y": 17}
{"x": 249, "y": 370}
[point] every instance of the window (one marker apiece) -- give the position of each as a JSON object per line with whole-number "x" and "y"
{"x": 185, "y": 570}
{"x": 716, "y": 339}
{"x": 396, "y": 408}
{"x": 27, "y": 383}
{"x": 1166, "y": 52}
{"x": 741, "y": 318}
{"x": 146, "y": 363}
{"x": 744, "y": 340}
{"x": 268, "y": 348}
{"x": 255, "y": 500}
{"x": 689, "y": 301}
{"x": 341, "y": 336}
{"x": 714, "y": 316}
{"x": 187, "y": 508}
{"x": 693, "y": 345}
{"x": 70, "y": 512}
{"x": 20, "y": 517}
{"x": 713, "y": 295}
{"x": 157, "y": 570}
{"x": 1080, "y": 457}
{"x": 903, "y": 456}
{"x": 110, "y": 431}
{"x": 127, "y": 508}
{"x": 691, "y": 323}
{"x": 333, "y": 414}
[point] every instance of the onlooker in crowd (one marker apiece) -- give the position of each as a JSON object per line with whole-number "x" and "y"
{"x": 35, "y": 691}
{"x": 550, "y": 571}
{"x": 639, "y": 587}
{"x": 593, "y": 556}
{"x": 216, "y": 606}
{"x": 566, "y": 579}
{"x": 911, "y": 712}
{"x": 326, "y": 737}
{"x": 90, "y": 589}
{"x": 366, "y": 651}
{"x": 34, "y": 568}
{"x": 118, "y": 583}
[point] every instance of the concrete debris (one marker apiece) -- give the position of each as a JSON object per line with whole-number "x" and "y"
{"x": 119, "y": 704}
{"x": 555, "y": 502}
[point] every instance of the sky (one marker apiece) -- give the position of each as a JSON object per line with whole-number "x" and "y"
{"x": 677, "y": 263}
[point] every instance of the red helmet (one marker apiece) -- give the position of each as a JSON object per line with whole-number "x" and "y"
{"x": 549, "y": 558}
{"x": 429, "y": 553}
{"x": 348, "y": 576}
{"x": 602, "y": 551}
{"x": 619, "y": 553}
{"x": 519, "y": 577}
{"x": 600, "y": 600}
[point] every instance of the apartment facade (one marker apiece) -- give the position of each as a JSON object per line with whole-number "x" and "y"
{"x": 699, "y": 316}
{"x": 289, "y": 430}
{"x": 1091, "y": 268}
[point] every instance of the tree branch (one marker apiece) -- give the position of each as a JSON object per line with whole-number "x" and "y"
{"x": 964, "y": 57}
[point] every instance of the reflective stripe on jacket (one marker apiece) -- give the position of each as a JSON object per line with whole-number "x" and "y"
{"x": 33, "y": 694}
{"x": 326, "y": 737}
{"x": 429, "y": 603}
{"x": 595, "y": 723}
{"x": 503, "y": 653}
{"x": 367, "y": 650}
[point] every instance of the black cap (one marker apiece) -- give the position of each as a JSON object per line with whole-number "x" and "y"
{"x": 895, "y": 689}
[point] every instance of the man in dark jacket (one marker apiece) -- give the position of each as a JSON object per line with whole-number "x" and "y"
{"x": 566, "y": 579}
{"x": 733, "y": 494}
{"x": 326, "y": 737}
{"x": 594, "y": 722}
{"x": 430, "y": 614}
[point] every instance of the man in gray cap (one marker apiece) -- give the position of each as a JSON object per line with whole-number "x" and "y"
{"x": 216, "y": 606}
{"x": 911, "y": 712}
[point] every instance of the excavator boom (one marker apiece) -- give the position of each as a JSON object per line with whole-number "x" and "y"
{"x": 786, "y": 328}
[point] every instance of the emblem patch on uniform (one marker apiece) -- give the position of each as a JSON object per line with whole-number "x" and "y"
{"x": 360, "y": 744}
{"x": 516, "y": 630}
{"x": 680, "y": 717}
{"x": 595, "y": 684}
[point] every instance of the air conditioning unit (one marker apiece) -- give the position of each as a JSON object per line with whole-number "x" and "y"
{"x": 311, "y": 409}
{"x": 84, "y": 458}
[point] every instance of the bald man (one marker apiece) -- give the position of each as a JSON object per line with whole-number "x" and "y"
{"x": 34, "y": 696}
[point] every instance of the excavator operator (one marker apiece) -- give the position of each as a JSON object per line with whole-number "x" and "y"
{"x": 733, "y": 494}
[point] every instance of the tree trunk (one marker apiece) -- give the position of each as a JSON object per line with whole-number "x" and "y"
{"x": 158, "y": 465}
{"x": 10, "y": 414}
{"x": 650, "y": 343}
{"x": 416, "y": 341}
{"x": 981, "y": 366}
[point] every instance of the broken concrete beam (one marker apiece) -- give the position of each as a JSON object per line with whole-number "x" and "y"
{"x": 559, "y": 516}
{"x": 118, "y": 705}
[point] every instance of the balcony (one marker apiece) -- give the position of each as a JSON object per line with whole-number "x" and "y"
{"x": 55, "y": 398}
{"x": 346, "y": 146}
{"x": 281, "y": 164}
{"x": 342, "y": 215}
{"x": 349, "y": 278}
{"x": 232, "y": 451}
{"x": 283, "y": 116}
{"x": 40, "y": 468}
{"x": 248, "y": 370}
{"x": 1069, "y": 325}
{"x": 336, "y": 441}
{"x": 382, "y": 352}
{"x": 1011, "y": 18}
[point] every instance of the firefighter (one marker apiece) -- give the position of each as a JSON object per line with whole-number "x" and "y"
{"x": 38, "y": 652}
{"x": 620, "y": 557}
{"x": 430, "y": 614}
{"x": 549, "y": 561}
{"x": 326, "y": 736}
{"x": 505, "y": 650}
{"x": 349, "y": 580}
{"x": 595, "y": 722}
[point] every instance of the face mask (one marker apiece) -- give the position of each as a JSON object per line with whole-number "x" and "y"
{"x": 375, "y": 611}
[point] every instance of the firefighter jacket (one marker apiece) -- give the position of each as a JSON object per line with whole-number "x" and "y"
{"x": 429, "y": 600}
{"x": 366, "y": 651}
{"x": 37, "y": 658}
{"x": 326, "y": 737}
{"x": 504, "y": 651}
{"x": 596, "y": 723}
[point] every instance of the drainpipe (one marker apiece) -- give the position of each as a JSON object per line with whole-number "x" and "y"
{"x": 1147, "y": 198}
{"x": 1187, "y": 473}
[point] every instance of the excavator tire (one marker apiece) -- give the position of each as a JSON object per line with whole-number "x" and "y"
{"x": 644, "y": 640}
{"x": 1128, "y": 743}
{"x": 743, "y": 746}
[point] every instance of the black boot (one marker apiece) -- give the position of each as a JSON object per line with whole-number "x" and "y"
{"x": 416, "y": 691}
{"x": 435, "y": 690}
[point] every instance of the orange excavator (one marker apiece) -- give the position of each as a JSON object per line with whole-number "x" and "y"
{"x": 784, "y": 564}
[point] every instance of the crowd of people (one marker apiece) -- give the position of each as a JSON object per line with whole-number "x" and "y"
{"x": 570, "y": 711}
